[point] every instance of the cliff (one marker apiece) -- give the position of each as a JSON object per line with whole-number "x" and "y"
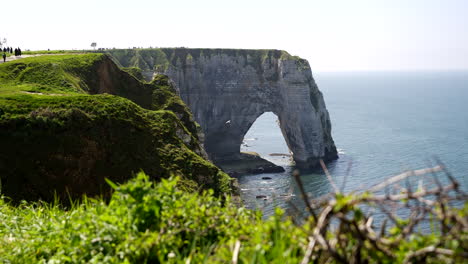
{"x": 227, "y": 90}
{"x": 65, "y": 126}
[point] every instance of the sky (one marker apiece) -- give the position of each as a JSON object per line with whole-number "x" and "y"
{"x": 333, "y": 35}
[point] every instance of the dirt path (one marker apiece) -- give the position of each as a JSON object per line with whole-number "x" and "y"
{"x": 12, "y": 58}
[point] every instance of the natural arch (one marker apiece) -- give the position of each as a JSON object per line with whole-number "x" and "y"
{"x": 225, "y": 132}
{"x": 227, "y": 90}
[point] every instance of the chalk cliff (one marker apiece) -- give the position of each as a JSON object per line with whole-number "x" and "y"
{"x": 228, "y": 89}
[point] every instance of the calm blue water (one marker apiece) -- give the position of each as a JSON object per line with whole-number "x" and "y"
{"x": 382, "y": 124}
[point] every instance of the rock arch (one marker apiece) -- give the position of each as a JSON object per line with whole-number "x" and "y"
{"x": 227, "y": 90}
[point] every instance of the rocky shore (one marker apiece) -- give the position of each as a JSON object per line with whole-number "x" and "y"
{"x": 248, "y": 163}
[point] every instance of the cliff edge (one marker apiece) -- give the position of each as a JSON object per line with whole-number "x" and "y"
{"x": 66, "y": 125}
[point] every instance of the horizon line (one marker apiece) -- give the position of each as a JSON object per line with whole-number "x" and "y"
{"x": 460, "y": 70}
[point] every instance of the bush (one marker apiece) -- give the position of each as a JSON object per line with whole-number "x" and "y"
{"x": 158, "y": 223}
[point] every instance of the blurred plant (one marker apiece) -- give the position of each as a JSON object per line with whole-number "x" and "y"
{"x": 342, "y": 230}
{"x": 145, "y": 222}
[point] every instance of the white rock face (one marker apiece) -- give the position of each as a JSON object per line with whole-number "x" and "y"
{"x": 227, "y": 90}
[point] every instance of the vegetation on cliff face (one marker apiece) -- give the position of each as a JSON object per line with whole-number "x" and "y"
{"x": 147, "y": 223}
{"x": 159, "y": 59}
{"x": 136, "y": 72}
{"x": 63, "y": 129}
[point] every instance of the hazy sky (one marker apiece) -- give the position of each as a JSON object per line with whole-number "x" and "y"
{"x": 333, "y": 35}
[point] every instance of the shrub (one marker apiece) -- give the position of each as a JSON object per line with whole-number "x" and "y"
{"x": 157, "y": 223}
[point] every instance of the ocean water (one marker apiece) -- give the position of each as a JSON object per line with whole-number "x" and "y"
{"x": 383, "y": 123}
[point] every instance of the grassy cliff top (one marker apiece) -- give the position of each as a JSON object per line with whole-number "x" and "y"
{"x": 59, "y": 74}
{"x": 160, "y": 58}
{"x": 196, "y": 51}
{"x": 67, "y": 122}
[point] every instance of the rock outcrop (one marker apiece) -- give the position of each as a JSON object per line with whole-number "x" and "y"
{"x": 247, "y": 163}
{"x": 227, "y": 90}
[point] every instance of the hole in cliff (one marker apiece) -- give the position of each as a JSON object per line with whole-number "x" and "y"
{"x": 265, "y": 138}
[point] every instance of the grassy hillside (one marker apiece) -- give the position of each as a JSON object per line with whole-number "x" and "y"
{"x": 63, "y": 129}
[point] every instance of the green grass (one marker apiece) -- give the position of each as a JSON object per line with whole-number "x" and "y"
{"x": 158, "y": 223}
{"x": 142, "y": 223}
{"x": 48, "y": 74}
{"x": 136, "y": 72}
{"x": 42, "y": 52}
{"x": 63, "y": 139}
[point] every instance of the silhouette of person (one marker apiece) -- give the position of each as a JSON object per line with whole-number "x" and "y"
{"x": 4, "y": 57}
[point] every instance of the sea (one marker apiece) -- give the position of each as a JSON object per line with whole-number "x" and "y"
{"x": 383, "y": 123}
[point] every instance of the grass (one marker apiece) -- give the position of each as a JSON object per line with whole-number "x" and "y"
{"x": 141, "y": 223}
{"x": 136, "y": 72}
{"x": 43, "y": 52}
{"x": 145, "y": 222}
{"x": 57, "y": 74}
{"x": 62, "y": 135}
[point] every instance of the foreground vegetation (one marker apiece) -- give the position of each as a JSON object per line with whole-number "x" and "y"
{"x": 158, "y": 223}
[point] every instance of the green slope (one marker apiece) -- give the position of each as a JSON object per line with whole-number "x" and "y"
{"x": 65, "y": 126}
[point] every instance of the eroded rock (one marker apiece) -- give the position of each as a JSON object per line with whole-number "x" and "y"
{"x": 227, "y": 90}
